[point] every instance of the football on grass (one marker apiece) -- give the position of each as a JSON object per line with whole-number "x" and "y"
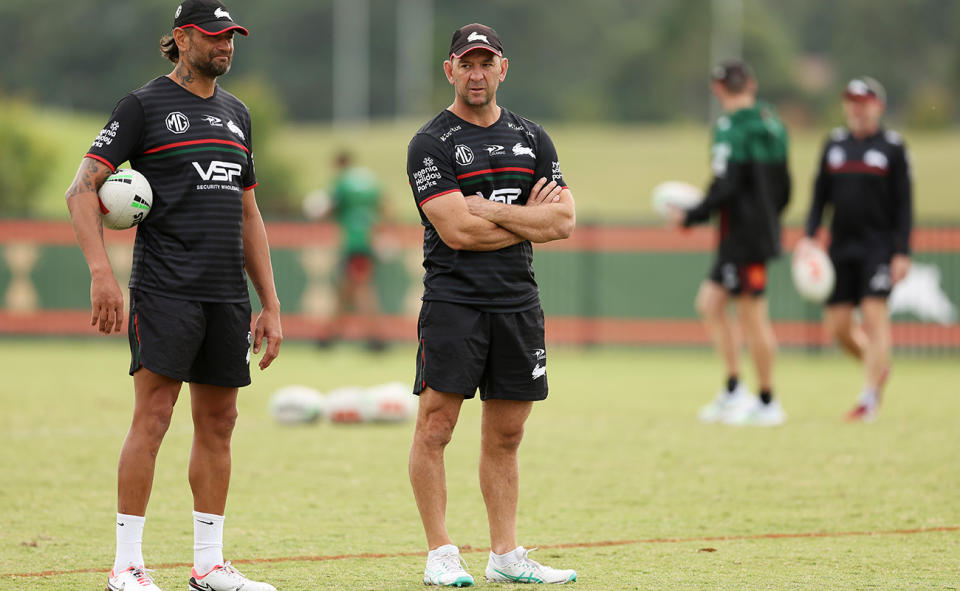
{"x": 125, "y": 199}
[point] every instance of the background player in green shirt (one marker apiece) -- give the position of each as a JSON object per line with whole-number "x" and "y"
{"x": 749, "y": 191}
{"x": 357, "y": 206}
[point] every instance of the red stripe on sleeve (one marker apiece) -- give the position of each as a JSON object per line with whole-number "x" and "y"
{"x": 439, "y": 194}
{"x": 102, "y": 159}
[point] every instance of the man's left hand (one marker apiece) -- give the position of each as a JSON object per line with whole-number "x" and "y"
{"x": 478, "y": 206}
{"x": 268, "y": 327}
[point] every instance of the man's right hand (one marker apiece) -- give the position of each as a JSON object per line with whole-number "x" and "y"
{"x": 106, "y": 302}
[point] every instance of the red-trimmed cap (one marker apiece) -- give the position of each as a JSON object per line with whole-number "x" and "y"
{"x": 475, "y": 36}
{"x": 864, "y": 89}
{"x": 207, "y": 16}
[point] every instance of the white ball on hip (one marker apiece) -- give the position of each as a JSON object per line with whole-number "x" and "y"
{"x": 125, "y": 199}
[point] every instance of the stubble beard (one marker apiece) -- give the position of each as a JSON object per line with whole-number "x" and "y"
{"x": 483, "y": 101}
{"x": 209, "y": 67}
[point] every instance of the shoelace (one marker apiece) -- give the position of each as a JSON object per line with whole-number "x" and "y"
{"x": 452, "y": 562}
{"x": 525, "y": 557}
{"x": 232, "y": 571}
{"x": 142, "y": 576}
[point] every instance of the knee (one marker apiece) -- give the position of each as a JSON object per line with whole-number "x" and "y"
{"x": 152, "y": 422}
{"x": 707, "y": 307}
{"x": 434, "y": 430}
{"x": 218, "y": 425}
{"x": 505, "y": 439}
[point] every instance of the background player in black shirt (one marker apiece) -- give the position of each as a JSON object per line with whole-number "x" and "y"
{"x": 487, "y": 183}
{"x": 749, "y": 191}
{"x": 189, "y": 311}
{"x": 865, "y": 177}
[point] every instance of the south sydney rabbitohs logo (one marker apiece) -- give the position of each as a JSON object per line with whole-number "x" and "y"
{"x": 521, "y": 150}
{"x": 221, "y": 13}
{"x": 539, "y": 364}
{"x": 177, "y": 122}
{"x": 475, "y": 36}
{"x": 233, "y": 127}
{"x": 463, "y": 154}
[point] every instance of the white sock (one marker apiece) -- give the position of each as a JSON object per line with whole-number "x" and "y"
{"x": 869, "y": 397}
{"x": 509, "y": 557}
{"x": 207, "y": 542}
{"x": 129, "y": 542}
{"x": 445, "y": 549}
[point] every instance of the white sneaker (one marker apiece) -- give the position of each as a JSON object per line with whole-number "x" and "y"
{"x": 727, "y": 404}
{"x": 225, "y": 578}
{"x": 525, "y": 570}
{"x": 135, "y": 577}
{"x": 445, "y": 568}
{"x": 759, "y": 414}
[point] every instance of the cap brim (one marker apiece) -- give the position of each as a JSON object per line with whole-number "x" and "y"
{"x": 217, "y": 27}
{"x": 860, "y": 98}
{"x": 473, "y": 46}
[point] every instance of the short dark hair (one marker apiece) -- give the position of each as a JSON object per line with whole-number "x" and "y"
{"x": 343, "y": 159}
{"x": 733, "y": 75}
{"x": 169, "y": 49}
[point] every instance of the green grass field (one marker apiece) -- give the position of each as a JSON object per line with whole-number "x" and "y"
{"x": 614, "y": 455}
{"x": 611, "y": 169}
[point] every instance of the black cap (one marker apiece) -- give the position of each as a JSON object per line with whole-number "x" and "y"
{"x": 733, "y": 74}
{"x": 207, "y": 16}
{"x": 865, "y": 88}
{"x": 475, "y": 36}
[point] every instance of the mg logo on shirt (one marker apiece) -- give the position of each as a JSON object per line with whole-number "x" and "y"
{"x": 463, "y": 154}
{"x": 177, "y": 122}
{"x": 218, "y": 171}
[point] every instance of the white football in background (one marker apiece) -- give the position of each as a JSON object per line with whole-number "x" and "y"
{"x": 296, "y": 404}
{"x": 813, "y": 274}
{"x": 392, "y": 402}
{"x": 125, "y": 199}
{"x": 349, "y": 404}
{"x": 676, "y": 194}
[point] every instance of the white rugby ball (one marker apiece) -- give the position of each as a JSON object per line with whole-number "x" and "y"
{"x": 675, "y": 194}
{"x": 349, "y": 404}
{"x": 125, "y": 199}
{"x": 813, "y": 274}
{"x": 296, "y": 404}
{"x": 392, "y": 402}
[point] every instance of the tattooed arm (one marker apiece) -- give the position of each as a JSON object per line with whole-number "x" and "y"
{"x": 106, "y": 299}
{"x": 256, "y": 254}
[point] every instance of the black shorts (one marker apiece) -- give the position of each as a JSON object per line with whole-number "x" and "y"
{"x": 740, "y": 278}
{"x": 199, "y": 342}
{"x": 859, "y": 279}
{"x": 463, "y": 348}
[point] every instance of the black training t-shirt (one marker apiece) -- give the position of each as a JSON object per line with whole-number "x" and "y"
{"x": 500, "y": 163}
{"x": 196, "y": 153}
{"x": 867, "y": 182}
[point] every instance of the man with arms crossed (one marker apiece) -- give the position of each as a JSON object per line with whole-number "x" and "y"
{"x": 189, "y": 305}
{"x": 750, "y": 189}
{"x": 487, "y": 183}
{"x": 865, "y": 176}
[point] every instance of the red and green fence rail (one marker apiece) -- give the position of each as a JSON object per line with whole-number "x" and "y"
{"x": 605, "y": 285}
